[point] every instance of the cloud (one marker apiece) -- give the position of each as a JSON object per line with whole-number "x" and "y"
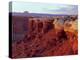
{"x": 72, "y": 9}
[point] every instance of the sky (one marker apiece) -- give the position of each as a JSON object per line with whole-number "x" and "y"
{"x": 46, "y": 8}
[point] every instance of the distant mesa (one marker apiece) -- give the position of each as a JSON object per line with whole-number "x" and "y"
{"x": 26, "y": 12}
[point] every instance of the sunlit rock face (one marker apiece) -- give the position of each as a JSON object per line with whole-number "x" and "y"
{"x": 58, "y": 24}
{"x": 71, "y": 26}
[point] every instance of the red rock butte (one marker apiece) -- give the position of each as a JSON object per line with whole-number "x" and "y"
{"x": 44, "y": 36}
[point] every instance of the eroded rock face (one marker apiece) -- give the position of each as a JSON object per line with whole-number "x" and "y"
{"x": 46, "y": 37}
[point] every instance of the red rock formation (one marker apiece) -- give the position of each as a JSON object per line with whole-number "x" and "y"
{"x": 43, "y": 39}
